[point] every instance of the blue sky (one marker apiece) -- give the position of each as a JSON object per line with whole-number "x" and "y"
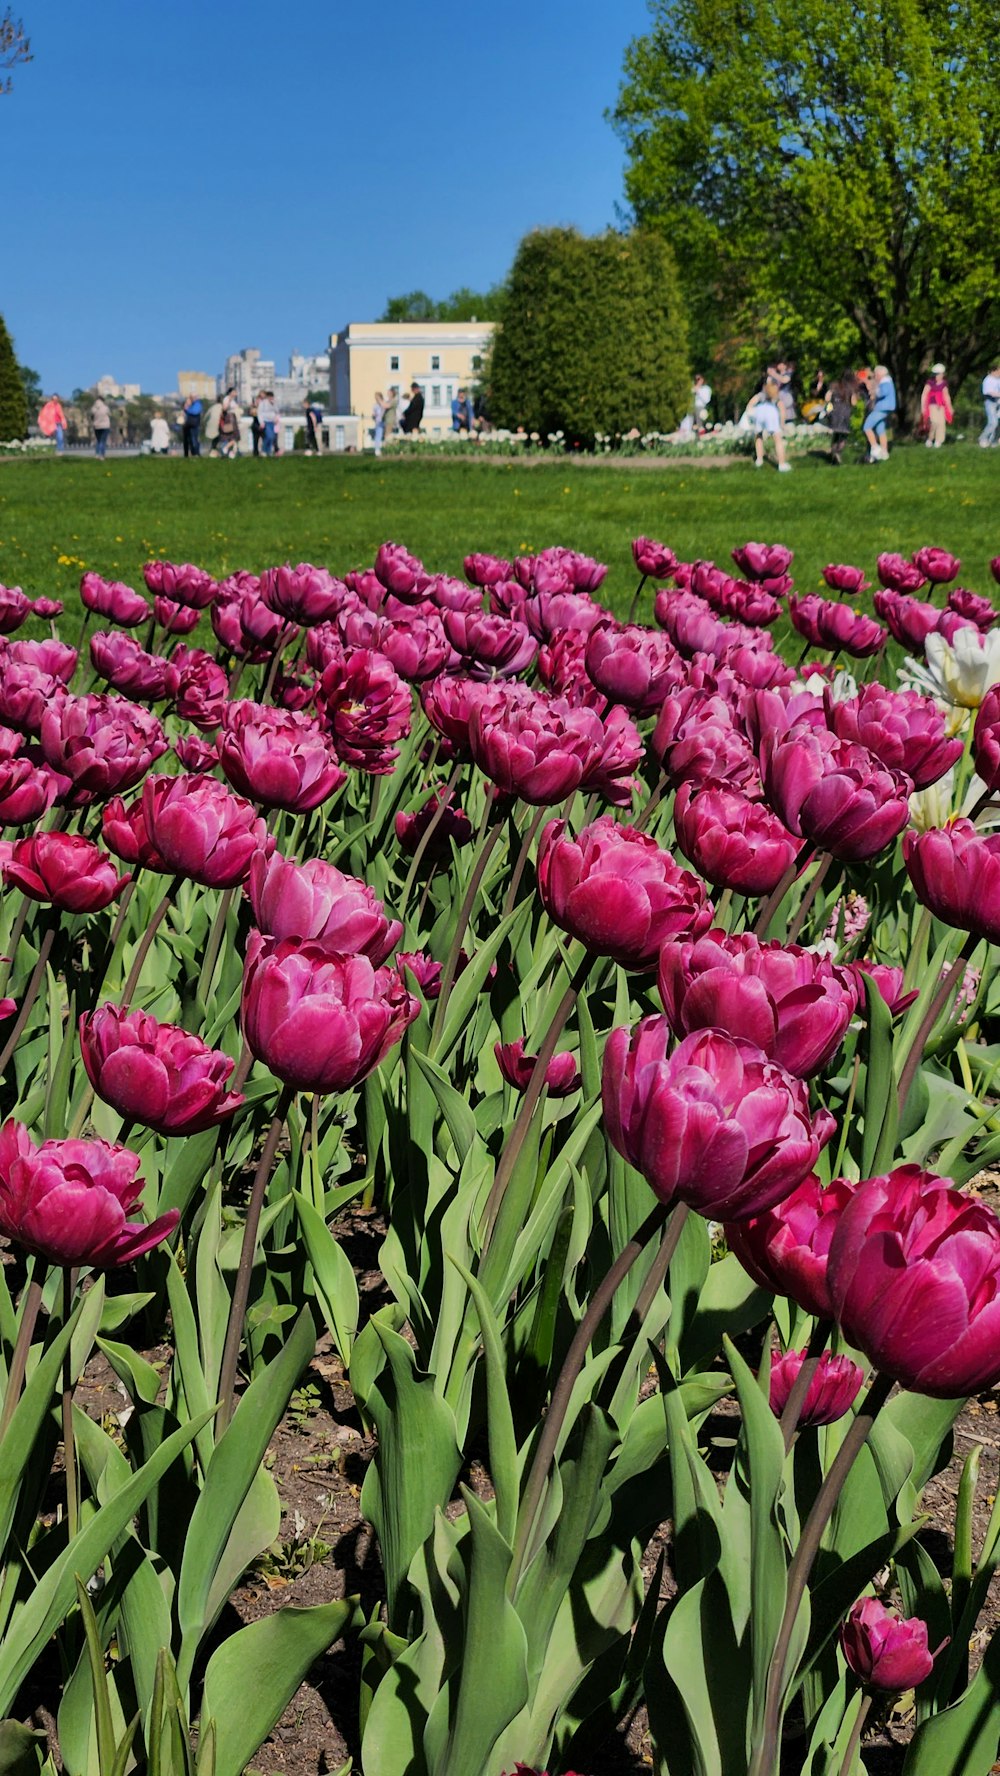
{"x": 187, "y": 177}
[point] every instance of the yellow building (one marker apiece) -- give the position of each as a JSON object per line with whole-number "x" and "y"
{"x": 196, "y": 383}
{"x": 440, "y": 356}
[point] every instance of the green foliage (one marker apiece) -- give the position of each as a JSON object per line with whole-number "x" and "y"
{"x": 31, "y": 383}
{"x": 13, "y": 400}
{"x": 826, "y": 174}
{"x": 462, "y": 305}
{"x": 592, "y": 336}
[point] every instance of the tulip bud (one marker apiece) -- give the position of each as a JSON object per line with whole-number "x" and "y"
{"x": 156, "y": 1074}
{"x": 713, "y": 1124}
{"x": 67, "y": 1201}
{"x": 830, "y": 1395}
{"x": 111, "y": 599}
{"x": 826, "y": 624}
{"x": 452, "y": 826}
{"x": 14, "y": 608}
{"x": 562, "y": 1075}
{"x": 885, "y": 1650}
{"x": 320, "y": 1021}
{"x": 614, "y": 889}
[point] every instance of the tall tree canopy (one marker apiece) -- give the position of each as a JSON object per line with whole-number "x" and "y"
{"x": 461, "y": 305}
{"x": 13, "y": 403}
{"x": 830, "y": 163}
{"x": 592, "y": 336}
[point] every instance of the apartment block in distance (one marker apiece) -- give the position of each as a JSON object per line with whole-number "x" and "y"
{"x": 441, "y": 356}
{"x": 199, "y": 384}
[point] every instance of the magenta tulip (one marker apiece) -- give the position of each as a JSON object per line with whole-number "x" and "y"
{"x": 112, "y": 599}
{"x": 181, "y": 582}
{"x": 156, "y": 1074}
{"x": 303, "y": 594}
{"x": 27, "y": 788}
{"x": 14, "y": 609}
{"x": 320, "y": 1021}
{"x": 416, "y": 645}
{"x": 762, "y": 561}
{"x": 986, "y": 739}
{"x": 884, "y": 1650}
{"x": 102, "y": 744}
{"x": 654, "y": 559}
{"x": 903, "y": 729}
{"x": 563, "y": 570}
{"x": 537, "y": 746}
{"x": 47, "y": 607}
{"x": 399, "y": 572}
{"x": 731, "y": 841}
{"x": 314, "y": 902}
{"x": 631, "y": 665}
{"x": 690, "y": 624}
{"x": 914, "y": 1278}
{"x": 713, "y": 1124}
{"x": 64, "y": 870}
{"x": 889, "y": 982}
{"x": 827, "y": 624}
{"x": 367, "y": 708}
{"x": 697, "y": 740}
{"x": 614, "y": 889}
{"x": 562, "y": 668}
{"x": 794, "y": 1004}
{"x": 490, "y": 644}
{"x": 125, "y": 833}
{"x": 970, "y": 605}
{"x": 278, "y": 758}
{"x": 196, "y": 754}
{"x": 453, "y": 826}
{"x": 486, "y": 570}
{"x": 785, "y": 1249}
{"x": 202, "y": 830}
{"x": 546, "y": 611}
{"x": 124, "y": 665}
{"x": 198, "y": 685}
{"x": 176, "y": 619}
{"x": 837, "y": 795}
{"x": 54, "y": 657}
{"x": 845, "y": 580}
{"x": 899, "y": 575}
{"x": 261, "y": 627}
{"x": 25, "y": 694}
{"x": 830, "y": 1395}
{"x": 67, "y": 1201}
{"x": 955, "y": 871}
{"x": 562, "y": 1075}
{"x": 937, "y": 565}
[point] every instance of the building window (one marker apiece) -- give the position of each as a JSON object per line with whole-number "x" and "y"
{"x": 436, "y": 395}
{"x": 394, "y": 361}
{"x": 477, "y": 363}
{"x": 449, "y": 393}
{"x": 435, "y": 363}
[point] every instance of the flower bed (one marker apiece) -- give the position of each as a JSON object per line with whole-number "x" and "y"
{"x": 645, "y": 984}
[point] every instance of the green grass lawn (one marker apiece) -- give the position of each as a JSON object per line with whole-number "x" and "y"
{"x": 56, "y": 518}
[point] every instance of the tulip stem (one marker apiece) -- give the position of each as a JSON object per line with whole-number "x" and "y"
{"x": 637, "y": 594}
{"x": 146, "y": 943}
{"x": 652, "y": 802}
{"x": 69, "y": 1441}
{"x": 485, "y": 851}
{"x": 929, "y": 1019}
{"x": 854, "y": 1742}
{"x": 241, "y": 1289}
{"x": 214, "y": 945}
{"x": 770, "y": 906}
{"x": 16, "y": 933}
{"x": 789, "y": 1421}
{"x": 444, "y": 800}
{"x": 30, "y": 1305}
{"x": 272, "y": 671}
{"x": 555, "y": 1418}
{"x": 822, "y": 871}
{"x": 522, "y": 859}
{"x": 27, "y": 1004}
{"x": 536, "y": 1084}
{"x": 117, "y": 931}
{"x": 765, "y": 1761}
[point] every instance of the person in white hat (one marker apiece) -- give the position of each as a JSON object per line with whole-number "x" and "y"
{"x": 935, "y": 407}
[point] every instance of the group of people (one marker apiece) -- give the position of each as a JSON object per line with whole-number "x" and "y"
{"x": 772, "y": 409}
{"x": 222, "y": 425}
{"x": 387, "y": 418}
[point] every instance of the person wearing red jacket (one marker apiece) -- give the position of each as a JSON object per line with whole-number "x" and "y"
{"x": 935, "y": 407}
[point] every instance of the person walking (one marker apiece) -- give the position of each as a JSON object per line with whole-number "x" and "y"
{"x": 378, "y": 421}
{"x": 314, "y": 422}
{"x": 844, "y": 394}
{"x": 100, "y": 419}
{"x": 52, "y": 422}
{"x": 935, "y": 407}
{"x": 461, "y": 412}
{"x": 267, "y": 417}
{"x": 191, "y": 426}
{"x": 764, "y": 414}
{"x": 390, "y": 415}
{"x": 413, "y": 417}
{"x": 228, "y": 440}
{"x": 881, "y": 414}
{"x": 991, "y": 407}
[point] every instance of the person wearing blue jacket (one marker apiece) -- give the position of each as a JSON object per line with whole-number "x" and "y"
{"x": 881, "y": 413}
{"x": 191, "y": 427}
{"x": 461, "y": 412}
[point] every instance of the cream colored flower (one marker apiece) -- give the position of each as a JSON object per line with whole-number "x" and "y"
{"x": 962, "y": 671}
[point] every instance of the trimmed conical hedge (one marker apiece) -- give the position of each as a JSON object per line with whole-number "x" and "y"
{"x": 13, "y": 406}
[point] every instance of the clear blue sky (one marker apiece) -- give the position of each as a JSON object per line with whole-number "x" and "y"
{"x": 188, "y": 177}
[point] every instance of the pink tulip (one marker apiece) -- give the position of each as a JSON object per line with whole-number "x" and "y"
{"x": 102, "y": 744}
{"x": 182, "y": 583}
{"x": 294, "y": 691}
{"x": 198, "y": 685}
{"x": 937, "y": 565}
{"x": 52, "y": 656}
{"x": 176, "y": 619}
{"x": 27, "y": 787}
{"x": 367, "y": 708}
{"x": 755, "y": 667}
{"x": 746, "y": 600}
{"x": 486, "y": 570}
{"x": 320, "y": 1021}
{"x": 762, "y": 561}
{"x": 908, "y": 620}
{"x": 63, "y": 870}
{"x": 67, "y": 1201}
{"x": 446, "y": 593}
{"x": 202, "y": 830}
{"x": 279, "y": 759}
{"x": 47, "y": 607}
{"x": 731, "y": 841}
{"x": 697, "y": 740}
{"x": 689, "y": 623}
{"x": 843, "y": 579}
{"x": 490, "y": 644}
{"x": 124, "y": 829}
{"x": 452, "y": 827}
{"x": 124, "y": 665}
{"x": 889, "y": 982}
{"x": 156, "y": 1074}
{"x": 564, "y": 570}
{"x": 314, "y": 902}
{"x": 713, "y": 1124}
{"x": 25, "y": 694}
{"x": 884, "y": 1650}
{"x": 785, "y": 1249}
{"x": 794, "y": 1004}
{"x": 986, "y": 739}
{"x": 631, "y": 665}
{"x": 654, "y": 559}
{"x": 261, "y": 627}
{"x": 826, "y": 624}
{"x": 548, "y": 610}
{"x": 903, "y": 729}
{"x": 830, "y": 1395}
{"x": 614, "y": 889}
{"x": 955, "y": 871}
{"x": 448, "y": 703}
{"x": 536, "y": 746}
{"x": 112, "y": 599}
{"x": 424, "y": 971}
{"x": 835, "y": 794}
{"x": 196, "y": 754}
{"x": 562, "y": 1075}
{"x": 14, "y": 608}
{"x": 898, "y": 574}
{"x": 914, "y": 1278}
{"x": 399, "y": 572}
{"x": 416, "y": 645}
{"x": 969, "y": 604}
{"x": 562, "y": 668}
{"x": 303, "y": 594}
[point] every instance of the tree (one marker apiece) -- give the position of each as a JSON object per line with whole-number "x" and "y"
{"x": 13, "y": 405}
{"x": 828, "y": 167}
{"x": 14, "y": 45}
{"x": 31, "y": 383}
{"x": 461, "y": 305}
{"x": 592, "y": 336}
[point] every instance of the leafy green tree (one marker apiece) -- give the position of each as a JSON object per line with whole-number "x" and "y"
{"x": 829, "y": 168}
{"x": 13, "y": 405}
{"x": 462, "y": 305}
{"x": 415, "y": 305}
{"x": 31, "y": 383}
{"x": 592, "y": 336}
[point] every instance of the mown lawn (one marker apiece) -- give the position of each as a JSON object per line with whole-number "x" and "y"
{"x": 56, "y": 518}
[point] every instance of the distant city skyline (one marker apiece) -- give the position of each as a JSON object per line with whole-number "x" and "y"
{"x": 188, "y": 181}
